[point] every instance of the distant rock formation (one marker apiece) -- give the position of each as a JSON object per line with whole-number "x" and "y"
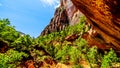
{"x": 66, "y": 14}
{"x": 58, "y": 22}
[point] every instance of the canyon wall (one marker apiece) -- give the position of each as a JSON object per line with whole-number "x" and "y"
{"x": 104, "y": 17}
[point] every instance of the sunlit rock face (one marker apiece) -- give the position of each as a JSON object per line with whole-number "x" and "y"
{"x": 73, "y": 13}
{"x": 66, "y": 14}
{"x": 104, "y": 17}
{"x": 58, "y": 22}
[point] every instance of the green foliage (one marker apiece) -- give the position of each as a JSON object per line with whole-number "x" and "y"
{"x": 23, "y": 43}
{"x": 82, "y": 44}
{"x": 9, "y": 59}
{"x": 9, "y": 35}
{"x": 63, "y": 51}
{"x": 67, "y": 52}
{"x": 108, "y": 59}
{"x": 92, "y": 55}
{"x": 77, "y": 28}
{"x": 70, "y": 53}
{"x": 53, "y": 46}
{"x": 7, "y": 32}
{"x": 59, "y": 36}
{"x": 4, "y": 23}
{"x": 77, "y": 66}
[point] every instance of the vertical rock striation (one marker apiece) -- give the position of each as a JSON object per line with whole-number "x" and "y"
{"x": 73, "y": 13}
{"x": 58, "y": 22}
{"x": 66, "y": 14}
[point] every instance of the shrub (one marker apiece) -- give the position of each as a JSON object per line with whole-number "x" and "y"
{"x": 108, "y": 59}
{"x": 10, "y": 59}
{"x": 7, "y": 32}
{"x": 23, "y": 43}
{"x": 92, "y": 55}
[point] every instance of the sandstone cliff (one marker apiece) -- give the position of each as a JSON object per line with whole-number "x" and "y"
{"x": 66, "y": 14}
{"x": 104, "y": 16}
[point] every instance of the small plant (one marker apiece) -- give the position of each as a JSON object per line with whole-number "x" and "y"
{"x": 75, "y": 55}
{"x": 62, "y": 53}
{"x": 108, "y": 59}
{"x": 92, "y": 55}
{"x": 77, "y": 28}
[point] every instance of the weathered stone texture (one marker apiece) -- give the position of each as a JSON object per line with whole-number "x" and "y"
{"x": 104, "y": 16}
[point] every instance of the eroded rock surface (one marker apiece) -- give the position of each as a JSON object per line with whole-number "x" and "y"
{"x": 104, "y": 16}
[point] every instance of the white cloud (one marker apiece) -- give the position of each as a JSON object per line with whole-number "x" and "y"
{"x": 54, "y": 3}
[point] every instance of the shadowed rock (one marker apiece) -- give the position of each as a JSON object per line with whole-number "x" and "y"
{"x": 3, "y": 46}
{"x": 104, "y": 17}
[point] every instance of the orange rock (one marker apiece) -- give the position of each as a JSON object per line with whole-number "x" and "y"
{"x": 72, "y": 37}
{"x": 29, "y": 64}
{"x": 104, "y": 16}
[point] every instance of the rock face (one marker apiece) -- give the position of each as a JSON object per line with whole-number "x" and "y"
{"x": 104, "y": 17}
{"x": 59, "y": 22}
{"x": 66, "y": 14}
{"x": 72, "y": 12}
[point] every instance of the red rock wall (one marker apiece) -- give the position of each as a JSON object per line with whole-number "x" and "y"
{"x": 104, "y": 16}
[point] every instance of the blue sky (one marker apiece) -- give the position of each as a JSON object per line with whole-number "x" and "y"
{"x": 28, "y": 16}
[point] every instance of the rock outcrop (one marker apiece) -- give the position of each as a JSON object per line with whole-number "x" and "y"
{"x": 104, "y": 17}
{"x": 66, "y": 14}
